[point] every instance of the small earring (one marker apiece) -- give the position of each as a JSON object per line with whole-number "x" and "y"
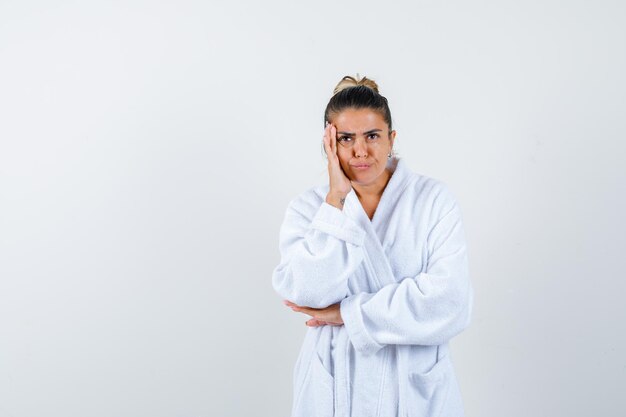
{"x": 389, "y": 155}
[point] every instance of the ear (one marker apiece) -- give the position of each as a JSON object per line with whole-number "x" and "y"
{"x": 392, "y": 136}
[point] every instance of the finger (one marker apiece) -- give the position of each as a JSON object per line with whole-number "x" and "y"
{"x": 326, "y": 140}
{"x": 290, "y": 304}
{"x": 326, "y": 315}
{"x": 328, "y": 323}
{"x": 302, "y": 309}
{"x": 305, "y": 310}
{"x": 333, "y": 139}
{"x": 295, "y": 307}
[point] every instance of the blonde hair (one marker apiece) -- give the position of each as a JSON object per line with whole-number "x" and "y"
{"x": 349, "y": 81}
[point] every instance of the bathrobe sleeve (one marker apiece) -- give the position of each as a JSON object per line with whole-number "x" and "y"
{"x": 427, "y": 309}
{"x": 320, "y": 248}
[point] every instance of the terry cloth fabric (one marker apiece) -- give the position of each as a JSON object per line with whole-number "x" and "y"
{"x": 404, "y": 290}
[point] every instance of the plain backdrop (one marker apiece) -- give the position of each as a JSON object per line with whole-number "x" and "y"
{"x": 148, "y": 150}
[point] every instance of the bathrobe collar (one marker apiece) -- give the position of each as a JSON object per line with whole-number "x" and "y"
{"x": 381, "y": 272}
{"x": 393, "y": 189}
{"x": 374, "y": 241}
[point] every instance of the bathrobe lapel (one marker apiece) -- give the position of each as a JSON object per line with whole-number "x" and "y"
{"x": 375, "y": 230}
{"x": 379, "y": 269}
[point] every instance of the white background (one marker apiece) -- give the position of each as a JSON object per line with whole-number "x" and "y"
{"x": 148, "y": 151}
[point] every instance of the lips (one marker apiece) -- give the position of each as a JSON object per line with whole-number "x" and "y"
{"x": 361, "y": 166}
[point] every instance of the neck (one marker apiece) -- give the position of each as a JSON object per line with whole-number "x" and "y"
{"x": 375, "y": 189}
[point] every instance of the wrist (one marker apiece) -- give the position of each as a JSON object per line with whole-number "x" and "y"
{"x": 336, "y": 199}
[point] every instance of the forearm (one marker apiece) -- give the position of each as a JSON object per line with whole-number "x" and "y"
{"x": 405, "y": 313}
{"x": 317, "y": 256}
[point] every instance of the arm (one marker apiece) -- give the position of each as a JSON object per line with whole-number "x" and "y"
{"x": 428, "y": 309}
{"x": 318, "y": 254}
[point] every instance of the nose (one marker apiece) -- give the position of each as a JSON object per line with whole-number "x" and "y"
{"x": 360, "y": 148}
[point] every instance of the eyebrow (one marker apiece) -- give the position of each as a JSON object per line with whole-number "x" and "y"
{"x": 365, "y": 133}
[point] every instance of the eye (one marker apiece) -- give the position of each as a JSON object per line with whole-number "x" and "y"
{"x": 373, "y": 136}
{"x": 344, "y": 138}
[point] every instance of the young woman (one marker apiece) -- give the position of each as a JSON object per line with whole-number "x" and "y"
{"x": 377, "y": 257}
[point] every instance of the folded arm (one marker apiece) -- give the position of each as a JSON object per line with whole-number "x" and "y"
{"x": 428, "y": 309}
{"x": 318, "y": 254}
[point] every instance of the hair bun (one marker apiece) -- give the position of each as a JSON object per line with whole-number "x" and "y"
{"x": 349, "y": 81}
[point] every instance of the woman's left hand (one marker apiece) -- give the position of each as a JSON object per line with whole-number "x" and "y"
{"x": 330, "y": 315}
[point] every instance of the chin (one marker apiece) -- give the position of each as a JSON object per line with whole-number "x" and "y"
{"x": 363, "y": 179}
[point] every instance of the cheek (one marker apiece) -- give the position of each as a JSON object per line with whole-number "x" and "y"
{"x": 345, "y": 164}
{"x": 344, "y": 156}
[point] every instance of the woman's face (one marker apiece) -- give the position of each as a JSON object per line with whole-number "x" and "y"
{"x": 363, "y": 143}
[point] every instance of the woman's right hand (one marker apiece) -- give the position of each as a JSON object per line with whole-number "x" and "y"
{"x": 340, "y": 185}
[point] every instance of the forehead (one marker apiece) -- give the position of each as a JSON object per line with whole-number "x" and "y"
{"x": 359, "y": 120}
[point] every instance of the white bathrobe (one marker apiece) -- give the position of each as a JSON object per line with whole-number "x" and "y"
{"x": 403, "y": 283}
